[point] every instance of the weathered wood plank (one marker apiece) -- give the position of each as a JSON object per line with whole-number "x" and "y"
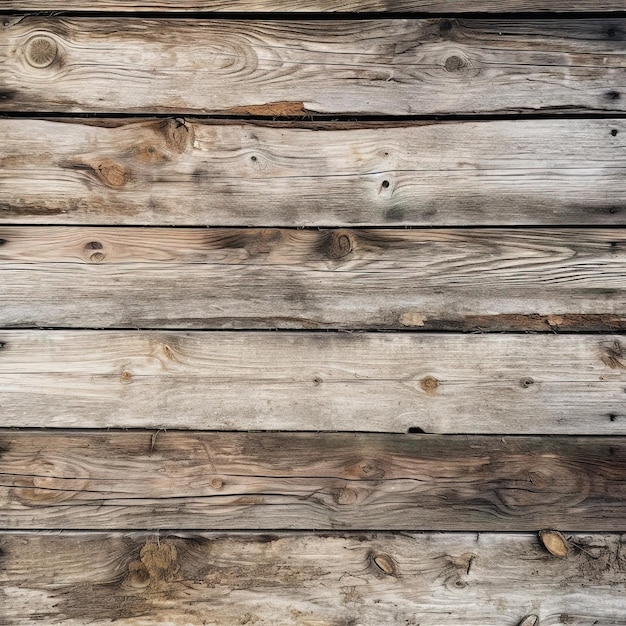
{"x": 314, "y": 381}
{"x": 549, "y": 172}
{"x": 144, "y": 480}
{"x": 277, "y": 68}
{"x": 322, "y": 580}
{"x": 273, "y": 278}
{"x": 330, "y": 6}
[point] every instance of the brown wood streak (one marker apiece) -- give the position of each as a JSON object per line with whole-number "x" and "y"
{"x": 101, "y": 480}
{"x": 391, "y": 67}
{"x": 331, "y": 6}
{"x": 214, "y": 579}
{"x": 185, "y": 172}
{"x": 386, "y": 382}
{"x": 340, "y": 278}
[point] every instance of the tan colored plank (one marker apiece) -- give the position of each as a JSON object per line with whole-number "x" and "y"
{"x": 330, "y": 6}
{"x": 209, "y": 579}
{"x": 524, "y": 384}
{"x": 544, "y": 280}
{"x": 278, "y": 68}
{"x": 182, "y": 172}
{"x": 210, "y": 480}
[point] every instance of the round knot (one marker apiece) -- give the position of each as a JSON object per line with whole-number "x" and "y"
{"x": 454, "y": 63}
{"x": 41, "y": 51}
{"x": 340, "y": 245}
{"x": 429, "y": 384}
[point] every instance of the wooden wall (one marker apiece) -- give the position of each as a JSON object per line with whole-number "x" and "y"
{"x": 313, "y": 319}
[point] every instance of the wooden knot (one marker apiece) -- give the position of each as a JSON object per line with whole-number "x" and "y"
{"x": 341, "y": 245}
{"x": 384, "y": 563}
{"x": 217, "y": 483}
{"x": 454, "y": 63}
{"x": 41, "y": 51}
{"x": 526, "y": 382}
{"x": 429, "y": 384}
{"x": 345, "y": 496}
{"x": 112, "y": 174}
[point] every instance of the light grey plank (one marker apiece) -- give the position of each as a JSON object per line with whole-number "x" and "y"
{"x": 550, "y": 384}
{"x": 549, "y": 172}
{"x": 300, "y": 68}
{"x": 546, "y": 280}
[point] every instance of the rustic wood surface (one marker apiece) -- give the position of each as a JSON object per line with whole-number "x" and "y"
{"x": 314, "y": 381}
{"x": 545, "y": 280}
{"x": 298, "y": 68}
{"x": 331, "y": 6}
{"x": 185, "y": 172}
{"x": 345, "y": 481}
{"x": 214, "y": 579}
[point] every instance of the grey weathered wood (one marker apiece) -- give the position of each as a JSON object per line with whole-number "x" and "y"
{"x": 211, "y": 480}
{"x": 214, "y": 579}
{"x": 545, "y": 280}
{"x": 314, "y": 381}
{"x": 331, "y": 6}
{"x": 549, "y": 172}
{"x": 277, "y": 68}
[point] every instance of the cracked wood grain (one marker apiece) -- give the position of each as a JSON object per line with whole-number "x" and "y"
{"x": 388, "y": 67}
{"x": 133, "y": 480}
{"x": 388, "y": 382}
{"x": 546, "y": 280}
{"x": 330, "y": 6}
{"x": 203, "y": 579}
{"x": 185, "y": 172}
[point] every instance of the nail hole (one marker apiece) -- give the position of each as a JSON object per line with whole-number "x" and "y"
{"x": 614, "y": 132}
{"x": 253, "y": 158}
{"x": 612, "y": 417}
{"x": 385, "y": 184}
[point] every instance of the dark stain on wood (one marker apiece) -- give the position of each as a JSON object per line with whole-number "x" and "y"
{"x": 613, "y": 355}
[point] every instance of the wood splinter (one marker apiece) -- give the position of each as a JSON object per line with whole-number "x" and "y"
{"x": 530, "y": 620}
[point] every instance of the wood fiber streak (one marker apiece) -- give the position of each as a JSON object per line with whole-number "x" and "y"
{"x": 181, "y": 172}
{"x": 345, "y": 481}
{"x": 545, "y": 280}
{"x": 547, "y": 384}
{"x": 330, "y": 6}
{"x": 300, "y": 68}
{"x": 210, "y": 579}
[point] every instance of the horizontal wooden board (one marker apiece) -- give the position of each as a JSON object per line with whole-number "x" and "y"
{"x": 330, "y": 6}
{"x": 442, "y": 383}
{"x": 220, "y": 480}
{"x": 186, "y": 172}
{"x": 300, "y": 68}
{"x": 209, "y": 579}
{"x": 545, "y": 280}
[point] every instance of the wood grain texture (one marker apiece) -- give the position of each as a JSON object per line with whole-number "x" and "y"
{"x": 545, "y": 280}
{"x": 219, "y": 480}
{"x": 276, "y": 68}
{"x": 330, "y": 6}
{"x": 210, "y": 579}
{"x": 182, "y": 172}
{"x": 314, "y": 381}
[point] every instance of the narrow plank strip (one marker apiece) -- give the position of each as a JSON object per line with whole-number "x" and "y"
{"x": 277, "y": 68}
{"x": 330, "y": 6}
{"x": 314, "y": 381}
{"x": 181, "y": 172}
{"x": 322, "y": 580}
{"x": 143, "y": 480}
{"x": 272, "y": 278}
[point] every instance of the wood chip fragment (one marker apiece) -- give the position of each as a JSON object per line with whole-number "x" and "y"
{"x": 554, "y": 542}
